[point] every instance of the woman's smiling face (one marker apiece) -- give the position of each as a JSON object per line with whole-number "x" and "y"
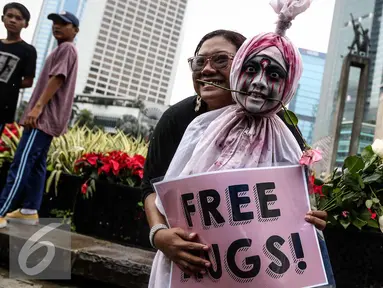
{"x": 264, "y": 79}
{"x": 213, "y": 96}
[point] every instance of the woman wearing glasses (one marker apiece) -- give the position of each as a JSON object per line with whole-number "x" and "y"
{"x": 211, "y": 63}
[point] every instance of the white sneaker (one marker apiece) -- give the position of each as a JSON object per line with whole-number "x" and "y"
{"x": 3, "y": 222}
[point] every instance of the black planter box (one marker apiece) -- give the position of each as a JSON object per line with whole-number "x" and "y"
{"x": 356, "y": 257}
{"x": 112, "y": 213}
{"x": 67, "y": 190}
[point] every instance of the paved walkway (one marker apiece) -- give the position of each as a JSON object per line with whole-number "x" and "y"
{"x": 91, "y": 258}
{"x": 5, "y": 282}
{"x": 76, "y": 282}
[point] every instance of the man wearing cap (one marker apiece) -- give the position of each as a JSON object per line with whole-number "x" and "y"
{"x": 46, "y": 116}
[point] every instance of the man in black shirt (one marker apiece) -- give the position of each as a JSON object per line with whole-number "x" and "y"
{"x": 17, "y": 61}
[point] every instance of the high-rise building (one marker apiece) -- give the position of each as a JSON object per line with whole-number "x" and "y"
{"x": 306, "y": 100}
{"x": 130, "y": 49}
{"x": 368, "y": 13}
{"x": 43, "y": 39}
{"x": 376, "y": 55}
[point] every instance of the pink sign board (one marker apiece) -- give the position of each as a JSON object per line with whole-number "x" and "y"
{"x": 253, "y": 220}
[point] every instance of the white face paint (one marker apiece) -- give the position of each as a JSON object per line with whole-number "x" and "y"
{"x": 265, "y": 78}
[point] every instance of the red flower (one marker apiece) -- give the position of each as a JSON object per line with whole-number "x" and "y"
{"x": 311, "y": 179}
{"x": 116, "y": 165}
{"x": 3, "y": 149}
{"x": 318, "y": 190}
{"x": 106, "y": 168}
{"x": 92, "y": 160}
{"x": 345, "y": 214}
{"x": 139, "y": 159}
{"x": 141, "y": 173}
{"x": 138, "y": 172}
{"x": 373, "y": 214}
{"x": 315, "y": 189}
{"x": 11, "y": 128}
{"x": 3, "y": 146}
{"x": 84, "y": 188}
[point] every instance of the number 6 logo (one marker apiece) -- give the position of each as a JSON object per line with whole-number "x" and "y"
{"x": 32, "y": 245}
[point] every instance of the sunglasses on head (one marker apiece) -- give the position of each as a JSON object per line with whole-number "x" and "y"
{"x": 218, "y": 61}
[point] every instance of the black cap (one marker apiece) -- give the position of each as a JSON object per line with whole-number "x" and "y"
{"x": 66, "y": 17}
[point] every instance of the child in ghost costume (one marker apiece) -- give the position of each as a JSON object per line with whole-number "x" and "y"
{"x": 248, "y": 134}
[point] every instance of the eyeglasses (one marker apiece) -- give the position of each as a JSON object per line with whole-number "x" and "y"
{"x": 218, "y": 61}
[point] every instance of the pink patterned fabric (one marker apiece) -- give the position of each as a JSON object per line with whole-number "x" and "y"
{"x": 237, "y": 139}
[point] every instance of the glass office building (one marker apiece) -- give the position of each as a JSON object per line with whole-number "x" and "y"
{"x": 43, "y": 40}
{"x": 366, "y": 138}
{"x": 306, "y": 100}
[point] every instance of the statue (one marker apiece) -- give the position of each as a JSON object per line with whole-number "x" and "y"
{"x": 356, "y": 41}
{"x": 365, "y": 42}
{"x": 361, "y": 45}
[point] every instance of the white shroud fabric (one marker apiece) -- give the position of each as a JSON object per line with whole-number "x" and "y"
{"x": 196, "y": 132}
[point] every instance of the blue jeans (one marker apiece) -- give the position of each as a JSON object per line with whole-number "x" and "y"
{"x": 26, "y": 176}
{"x": 326, "y": 262}
{"x": 2, "y": 126}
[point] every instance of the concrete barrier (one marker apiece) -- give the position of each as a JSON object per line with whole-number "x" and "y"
{"x": 91, "y": 258}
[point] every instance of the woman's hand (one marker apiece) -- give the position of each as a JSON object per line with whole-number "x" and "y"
{"x": 177, "y": 244}
{"x": 317, "y": 218}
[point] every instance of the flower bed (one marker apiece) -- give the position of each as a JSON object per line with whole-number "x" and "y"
{"x": 98, "y": 191}
{"x": 352, "y": 196}
{"x": 114, "y": 167}
{"x": 111, "y": 204}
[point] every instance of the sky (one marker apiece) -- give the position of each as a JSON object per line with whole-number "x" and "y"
{"x": 310, "y": 30}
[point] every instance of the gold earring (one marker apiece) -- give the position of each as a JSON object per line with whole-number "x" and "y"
{"x": 198, "y": 103}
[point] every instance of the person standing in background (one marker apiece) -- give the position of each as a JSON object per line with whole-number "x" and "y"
{"x": 46, "y": 116}
{"x": 17, "y": 61}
